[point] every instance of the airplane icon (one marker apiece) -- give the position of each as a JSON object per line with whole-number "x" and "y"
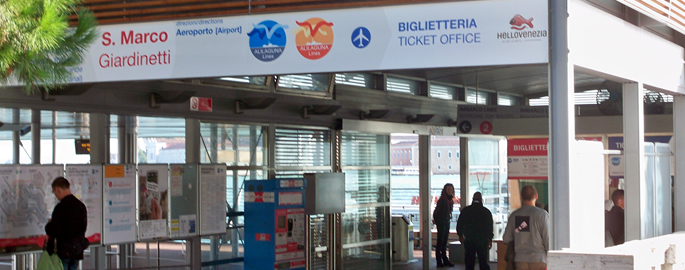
{"x": 361, "y": 37}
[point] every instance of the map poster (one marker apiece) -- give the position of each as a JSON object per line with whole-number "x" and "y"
{"x": 153, "y": 201}
{"x": 26, "y": 204}
{"x": 212, "y": 199}
{"x": 86, "y": 184}
{"x": 183, "y": 188}
{"x": 119, "y": 197}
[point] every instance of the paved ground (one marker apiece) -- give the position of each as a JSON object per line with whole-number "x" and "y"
{"x": 173, "y": 255}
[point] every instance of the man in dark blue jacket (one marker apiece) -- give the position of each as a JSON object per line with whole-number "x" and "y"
{"x": 474, "y": 228}
{"x": 67, "y": 226}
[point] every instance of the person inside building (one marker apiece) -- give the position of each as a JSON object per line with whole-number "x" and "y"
{"x": 474, "y": 228}
{"x": 528, "y": 229}
{"x": 441, "y": 217}
{"x": 615, "y": 218}
{"x": 67, "y": 228}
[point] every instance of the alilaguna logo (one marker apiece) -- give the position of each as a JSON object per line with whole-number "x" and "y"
{"x": 314, "y": 38}
{"x": 267, "y": 40}
{"x": 520, "y": 24}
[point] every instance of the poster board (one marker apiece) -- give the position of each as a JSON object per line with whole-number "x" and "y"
{"x": 153, "y": 201}
{"x": 212, "y": 199}
{"x": 86, "y": 185}
{"x": 527, "y": 158}
{"x": 183, "y": 190}
{"x": 119, "y": 199}
{"x": 26, "y": 205}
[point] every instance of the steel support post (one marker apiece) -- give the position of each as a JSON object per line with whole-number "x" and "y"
{"x": 99, "y": 154}
{"x": 35, "y": 136}
{"x": 425, "y": 198}
{"x": 561, "y": 125}
{"x": 464, "y": 172}
{"x": 634, "y": 155}
{"x": 193, "y": 147}
{"x": 679, "y": 150}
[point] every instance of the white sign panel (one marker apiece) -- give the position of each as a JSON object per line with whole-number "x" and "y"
{"x": 26, "y": 205}
{"x": 119, "y": 196}
{"x": 616, "y": 166}
{"x": 153, "y": 201}
{"x": 452, "y": 34}
{"x": 86, "y": 184}
{"x": 212, "y": 199}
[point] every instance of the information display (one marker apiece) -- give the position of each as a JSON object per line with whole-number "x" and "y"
{"x": 213, "y": 199}
{"x": 119, "y": 197}
{"x": 153, "y": 201}
{"x": 184, "y": 191}
{"x": 26, "y": 204}
{"x": 86, "y": 184}
{"x": 527, "y": 158}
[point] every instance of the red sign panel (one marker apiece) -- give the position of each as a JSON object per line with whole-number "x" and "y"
{"x": 527, "y": 147}
{"x": 200, "y": 104}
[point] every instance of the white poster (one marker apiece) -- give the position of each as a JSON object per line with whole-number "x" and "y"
{"x": 616, "y": 166}
{"x": 86, "y": 184}
{"x": 433, "y": 35}
{"x": 26, "y": 204}
{"x": 119, "y": 196}
{"x": 153, "y": 201}
{"x": 212, "y": 199}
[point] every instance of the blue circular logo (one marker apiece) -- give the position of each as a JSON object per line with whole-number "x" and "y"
{"x": 615, "y": 161}
{"x": 361, "y": 37}
{"x": 267, "y": 40}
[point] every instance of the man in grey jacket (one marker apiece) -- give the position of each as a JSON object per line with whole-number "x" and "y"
{"x": 528, "y": 229}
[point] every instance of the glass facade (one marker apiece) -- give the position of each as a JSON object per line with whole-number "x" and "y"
{"x": 365, "y": 160}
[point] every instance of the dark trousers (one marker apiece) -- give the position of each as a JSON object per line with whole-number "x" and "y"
{"x": 441, "y": 245}
{"x": 473, "y": 248}
{"x": 69, "y": 264}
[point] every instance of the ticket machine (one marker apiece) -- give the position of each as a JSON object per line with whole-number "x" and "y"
{"x": 275, "y": 224}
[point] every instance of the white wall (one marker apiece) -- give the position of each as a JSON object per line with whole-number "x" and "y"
{"x": 617, "y": 49}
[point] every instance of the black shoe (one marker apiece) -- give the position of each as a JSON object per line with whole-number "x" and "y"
{"x": 447, "y": 263}
{"x": 440, "y": 265}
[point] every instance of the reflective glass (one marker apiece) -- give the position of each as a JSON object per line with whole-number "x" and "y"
{"x": 302, "y": 147}
{"x": 235, "y": 145}
{"x": 365, "y": 224}
{"x": 405, "y": 86}
{"x": 367, "y": 257}
{"x": 311, "y": 82}
{"x": 365, "y": 150}
{"x": 355, "y": 79}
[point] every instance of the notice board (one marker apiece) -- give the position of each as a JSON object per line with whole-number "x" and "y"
{"x": 153, "y": 201}
{"x": 26, "y": 204}
{"x": 183, "y": 190}
{"x": 119, "y": 196}
{"x": 212, "y": 199}
{"x": 86, "y": 185}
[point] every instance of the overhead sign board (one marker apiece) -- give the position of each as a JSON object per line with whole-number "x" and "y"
{"x": 478, "y": 119}
{"x": 200, "y": 104}
{"x": 451, "y": 34}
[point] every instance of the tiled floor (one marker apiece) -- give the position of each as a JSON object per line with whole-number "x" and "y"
{"x": 418, "y": 264}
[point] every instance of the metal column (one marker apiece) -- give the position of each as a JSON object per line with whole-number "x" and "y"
{"x": 634, "y": 155}
{"x": 193, "y": 147}
{"x": 464, "y": 172}
{"x": 99, "y": 154}
{"x": 35, "y": 136}
{"x": 16, "y": 137}
{"x": 425, "y": 198}
{"x": 679, "y": 150}
{"x": 562, "y": 124}
{"x": 128, "y": 154}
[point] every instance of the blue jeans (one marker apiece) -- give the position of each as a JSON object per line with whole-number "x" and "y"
{"x": 69, "y": 264}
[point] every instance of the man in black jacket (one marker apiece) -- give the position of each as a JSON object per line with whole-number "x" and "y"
{"x": 474, "y": 228}
{"x": 615, "y": 219}
{"x": 67, "y": 226}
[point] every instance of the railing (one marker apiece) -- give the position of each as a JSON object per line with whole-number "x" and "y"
{"x": 119, "y": 11}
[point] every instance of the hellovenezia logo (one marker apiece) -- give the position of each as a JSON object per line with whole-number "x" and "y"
{"x": 523, "y": 28}
{"x": 314, "y": 38}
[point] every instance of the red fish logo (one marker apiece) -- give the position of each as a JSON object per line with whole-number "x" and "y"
{"x": 519, "y": 22}
{"x": 314, "y": 38}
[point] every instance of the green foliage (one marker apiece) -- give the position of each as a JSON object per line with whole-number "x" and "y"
{"x": 37, "y": 46}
